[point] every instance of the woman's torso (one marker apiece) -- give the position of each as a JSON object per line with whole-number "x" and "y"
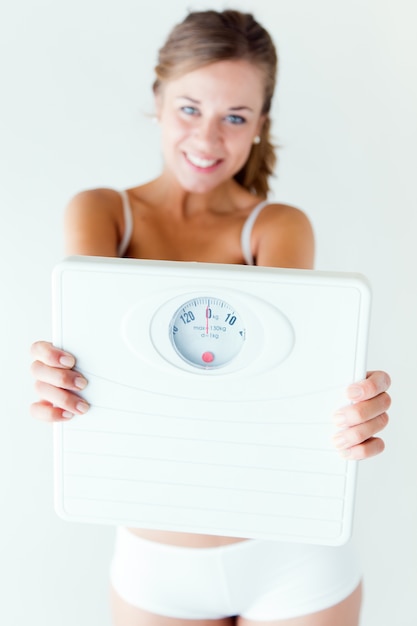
{"x": 165, "y": 229}
{"x": 200, "y": 236}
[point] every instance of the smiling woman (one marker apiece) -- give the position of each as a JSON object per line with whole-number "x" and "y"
{"x": 213, "y": 92}
{"x": 205, "y": 38}
{"x": 210, "y": 117}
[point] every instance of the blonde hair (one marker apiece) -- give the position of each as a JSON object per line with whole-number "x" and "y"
{"x": 205, "y": 37}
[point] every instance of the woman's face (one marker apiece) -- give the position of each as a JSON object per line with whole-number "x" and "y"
{"x": 209, "y": 118}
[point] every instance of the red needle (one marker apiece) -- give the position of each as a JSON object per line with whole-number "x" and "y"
{"x": 207, "y": 318}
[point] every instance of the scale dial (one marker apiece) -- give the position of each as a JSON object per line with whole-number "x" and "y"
{"x": 207, "y": 332}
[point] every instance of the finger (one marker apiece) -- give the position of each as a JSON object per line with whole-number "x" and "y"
{"x": 47, "y": 412}
{"x": 357, "y": 435}
{"x": 369, "y": 448}
{"x": 65, "y": 400}
{"x": 50, "y": 355}
{"x": 375, "y": 383}
{"x": 59, "y": 377}
{"x": 363, "y": 411}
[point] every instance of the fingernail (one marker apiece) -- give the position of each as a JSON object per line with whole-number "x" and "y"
{"x": 82, "y": 407}
{"x": 80, "y": 382}
{"x": 67, "y": 415}
{"x": 67, "y": 361}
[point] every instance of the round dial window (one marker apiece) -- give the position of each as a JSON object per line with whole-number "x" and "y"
{"x": 207, "y": 332}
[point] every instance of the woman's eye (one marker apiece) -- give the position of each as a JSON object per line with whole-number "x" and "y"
{"x": 235, "y": 119}
{"x": 189, "y": 110}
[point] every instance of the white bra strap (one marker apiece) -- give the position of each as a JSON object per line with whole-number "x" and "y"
{"x": 245, "y": 238}
{"x": 128, "y": 222}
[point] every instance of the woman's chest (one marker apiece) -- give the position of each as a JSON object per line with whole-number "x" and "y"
{"x": 211, "y": 239}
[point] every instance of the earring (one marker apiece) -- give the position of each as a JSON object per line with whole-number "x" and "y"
{"x": 256, "y": 140}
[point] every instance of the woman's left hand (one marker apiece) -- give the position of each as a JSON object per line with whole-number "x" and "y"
{"x": 359, "y": 422}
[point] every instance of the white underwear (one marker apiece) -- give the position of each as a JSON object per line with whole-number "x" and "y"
{"x": 258, "y": 580}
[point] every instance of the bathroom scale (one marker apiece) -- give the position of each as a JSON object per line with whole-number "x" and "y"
{"x": 212, "y": 389}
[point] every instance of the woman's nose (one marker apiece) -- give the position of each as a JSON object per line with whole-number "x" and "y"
{"x": 208, "y": 131}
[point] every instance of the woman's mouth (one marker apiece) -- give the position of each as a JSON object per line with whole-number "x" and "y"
{"x": 201, "y": 162}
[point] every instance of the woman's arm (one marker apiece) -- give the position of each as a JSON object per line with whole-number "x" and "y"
{"x": 93, "y": 227}
{"x": 283, "y": 237}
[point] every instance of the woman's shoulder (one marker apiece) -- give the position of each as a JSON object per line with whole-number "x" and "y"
{"x": 282, "y": 216}
{"x": 94, "y": 221}
{"x": 279, "y": 210}
{"x": 101, "y": 198}
{"x": 91, "y": 205}
{"x": 283, "y": 233}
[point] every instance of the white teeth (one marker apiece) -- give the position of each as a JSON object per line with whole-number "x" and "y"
{"x": 195, "y": 160}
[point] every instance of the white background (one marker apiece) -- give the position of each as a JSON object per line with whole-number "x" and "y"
{"x": 75, "y": 97}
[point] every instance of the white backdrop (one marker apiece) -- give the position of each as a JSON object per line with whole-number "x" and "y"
{"x": 76, "y": 83}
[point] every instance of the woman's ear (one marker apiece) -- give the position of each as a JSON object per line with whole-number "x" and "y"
{"x": 261, "y": 122}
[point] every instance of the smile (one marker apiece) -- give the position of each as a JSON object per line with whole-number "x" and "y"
{"x": 200, "y": 162}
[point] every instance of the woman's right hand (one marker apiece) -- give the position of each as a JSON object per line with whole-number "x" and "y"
{"x": 57, "y": 383}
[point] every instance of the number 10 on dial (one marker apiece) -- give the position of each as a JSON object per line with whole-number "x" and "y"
{"x": 207, "y": 332}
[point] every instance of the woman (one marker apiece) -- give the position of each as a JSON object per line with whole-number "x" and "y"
{"x": 213, "y": 91}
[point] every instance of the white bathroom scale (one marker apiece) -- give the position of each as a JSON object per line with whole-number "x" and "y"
{"x": 212, "y": 389}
